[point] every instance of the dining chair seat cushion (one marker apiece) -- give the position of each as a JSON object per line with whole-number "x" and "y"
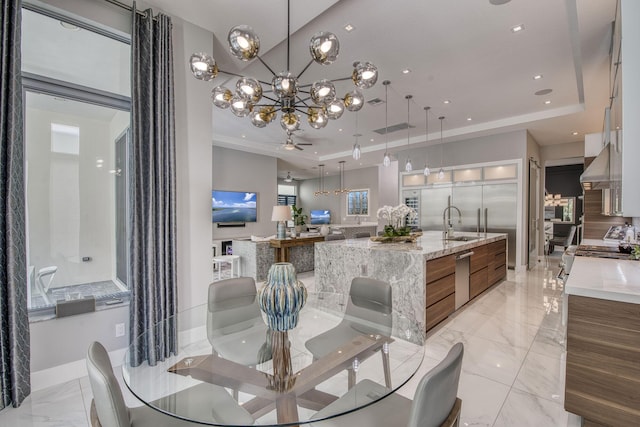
{"x": 328, "y": 341}
{"x": 393, "y": 410}
{"x": 206, "y": 402}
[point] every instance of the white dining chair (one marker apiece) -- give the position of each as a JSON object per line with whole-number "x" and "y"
{"x": 435, "y": 403}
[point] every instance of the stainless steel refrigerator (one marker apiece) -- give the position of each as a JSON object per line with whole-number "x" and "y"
{"x": 487, "y": 207}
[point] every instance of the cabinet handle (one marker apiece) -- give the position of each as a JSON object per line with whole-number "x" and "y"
{"x": 464, "y": 255}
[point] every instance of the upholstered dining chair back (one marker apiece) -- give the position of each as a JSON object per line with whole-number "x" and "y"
{"x": 437, "y": 392}
{"x": 370, "y": 301}
{"x": 109, "y": 403}
{"x": 233, "y": 306}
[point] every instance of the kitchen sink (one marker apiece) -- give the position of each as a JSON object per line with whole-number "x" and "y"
{"x": 462, "y": 238}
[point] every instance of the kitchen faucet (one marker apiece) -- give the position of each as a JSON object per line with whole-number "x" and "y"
{"x": 447, "y": 232}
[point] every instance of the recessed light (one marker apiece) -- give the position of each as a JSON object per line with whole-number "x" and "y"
{"x": 406, "y": 71}
{"x": 547, "y": 102}
{"x": 340, "y": 130}
{"x": 348, "y": 28}
{"x": 446, "y": 101}
{"x": 315, "y": 152}
{"x": 574, "y": 133}
{"x": 371, "y": 140}
{"x": 517, "y": 28}
{"x": 68, "y": 26}
{"x": 469, "y": 119}
{"x": 537, "y": 77}
{"x": 244, "y": 136}
{"x": 498, "y": 2}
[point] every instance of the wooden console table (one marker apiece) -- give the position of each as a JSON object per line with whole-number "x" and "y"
{"x": 281, "y": 247}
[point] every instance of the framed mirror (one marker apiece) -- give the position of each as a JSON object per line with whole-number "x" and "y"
{"x": 358, "y": 202}
{"x": 560, "y": 210}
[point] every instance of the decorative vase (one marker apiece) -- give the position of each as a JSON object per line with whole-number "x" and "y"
{"x": 282, "y": 297}
{"x": 324, "y": 230}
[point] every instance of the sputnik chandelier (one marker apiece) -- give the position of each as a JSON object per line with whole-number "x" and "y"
{"x": 262, "y": 100}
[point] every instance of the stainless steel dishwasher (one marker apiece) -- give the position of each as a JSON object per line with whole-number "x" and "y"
{"x": 462, "y": 278}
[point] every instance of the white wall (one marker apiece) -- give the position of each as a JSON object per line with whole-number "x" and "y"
{"x": 235, "y": 170}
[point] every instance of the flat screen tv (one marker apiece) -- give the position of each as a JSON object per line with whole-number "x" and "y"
{"x": 233, "y": 206}
{"x": 320, "y": 217}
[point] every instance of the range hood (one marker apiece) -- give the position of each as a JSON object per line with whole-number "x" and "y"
{"x": 597, "y": 176}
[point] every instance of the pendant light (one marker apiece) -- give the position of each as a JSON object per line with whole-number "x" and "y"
{"x": 342, "y": 188}
{"x": 321, "y": 191}
{"x": 288, "y": 178}
{"x": 408, "y": 167}
{"x": 441, "y": 171}
{"x": 356, "y": 147}
{"x": 427, "y": 171}
{"x": 386, "y": 160}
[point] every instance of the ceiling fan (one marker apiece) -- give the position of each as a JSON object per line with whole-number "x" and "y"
{"x": 289, "y": 144}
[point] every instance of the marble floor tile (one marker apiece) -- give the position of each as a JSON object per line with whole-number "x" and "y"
{"x": 512, "y": 375}
{"x": 526, "y": 410}
{"x": 542, "y": 376}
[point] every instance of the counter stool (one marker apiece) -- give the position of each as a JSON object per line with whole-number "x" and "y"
{"x": 227, "y": 259}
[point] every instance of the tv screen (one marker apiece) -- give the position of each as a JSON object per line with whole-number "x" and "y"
{"x": 233, "y": 206}
{"x": 320, "y": 217}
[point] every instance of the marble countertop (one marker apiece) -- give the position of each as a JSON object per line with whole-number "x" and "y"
{"x": 610, "y": 279}
{"x": 430, "y": 244}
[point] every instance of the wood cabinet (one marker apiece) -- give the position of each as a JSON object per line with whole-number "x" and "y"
{"x": 603, "y": 361}
{"x": 440, "y": 289}
{"x": 478, "y": 268}
{"x": 496, "y": 262}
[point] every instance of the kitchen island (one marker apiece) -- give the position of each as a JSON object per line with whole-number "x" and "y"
{"x": 422, "y": 274}
{"x": 603, "y": 341}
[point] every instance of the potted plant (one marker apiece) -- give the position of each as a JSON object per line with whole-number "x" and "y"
{"x": 299, "y": 219}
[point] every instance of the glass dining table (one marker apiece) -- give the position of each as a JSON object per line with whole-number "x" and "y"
{"x": 273, "y": 376}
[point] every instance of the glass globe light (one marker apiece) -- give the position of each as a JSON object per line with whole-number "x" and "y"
{"x": 408, "y": 167}
{"x": 221, "y": 97}
{"x": 356, "y": 151}
{"x": 317, "y": 118}
{"x": 249, "y": 88}
{"x": 335, "y": 109}
{"x": 426, "y": 171}
{"x": 285, "y": 85}
{"x": 323, "y": 92}
{"x": 240, "y": 106}
{"x": 324, "y": 47}
{"x": 364, "y": 75}
{"x": 354, "y": 100}
{"x": 256, "y": 119}
{"x": 386, "y": 160}
{"x": 203, "y": 66}
{"x": 244, "y": 44}
{"x": 441, "y": 174}
{"x": 290, "y": 122}
{"x": 267, "y": 113}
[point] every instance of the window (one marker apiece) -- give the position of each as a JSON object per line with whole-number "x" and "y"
{"x": 76, "y": 145}
{"x": 358, "y": 202}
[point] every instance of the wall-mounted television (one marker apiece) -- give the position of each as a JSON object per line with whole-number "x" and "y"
{"x": 233, "y": 206}
{"x": 320, "y": 217}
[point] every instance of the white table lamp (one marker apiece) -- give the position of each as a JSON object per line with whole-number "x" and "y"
{"x": 281, "y": 214}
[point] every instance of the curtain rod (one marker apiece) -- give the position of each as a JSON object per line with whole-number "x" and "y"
{"x": 126, "y": 7}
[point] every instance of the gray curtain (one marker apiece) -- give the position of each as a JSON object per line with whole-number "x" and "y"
{"x": 14, "y": 321}
{"x": 152, "y": 221}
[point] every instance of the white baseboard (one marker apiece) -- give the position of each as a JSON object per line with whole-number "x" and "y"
{"x": 69, "y": 371}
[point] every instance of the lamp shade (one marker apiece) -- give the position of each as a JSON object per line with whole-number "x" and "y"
{"x": 281, "y": 213}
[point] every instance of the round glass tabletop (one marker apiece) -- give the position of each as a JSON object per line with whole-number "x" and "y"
{"x": 231, "y": 370}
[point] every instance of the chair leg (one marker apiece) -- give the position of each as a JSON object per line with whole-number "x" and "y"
{"x": 235, "y": 394}
{"x": 387, "y": 369}
{"x": 351, "y": 382}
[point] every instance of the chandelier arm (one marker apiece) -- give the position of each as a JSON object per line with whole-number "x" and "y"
{"x": 304, "y": 100}
{"x": 305, "y": 69}
{"x": 270, "y": 99}
{"x": 340, "y": 79}
{"x": 267, "y": 67}
{"x": 300, "y": 110}
{"x": 268, "y": 84}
